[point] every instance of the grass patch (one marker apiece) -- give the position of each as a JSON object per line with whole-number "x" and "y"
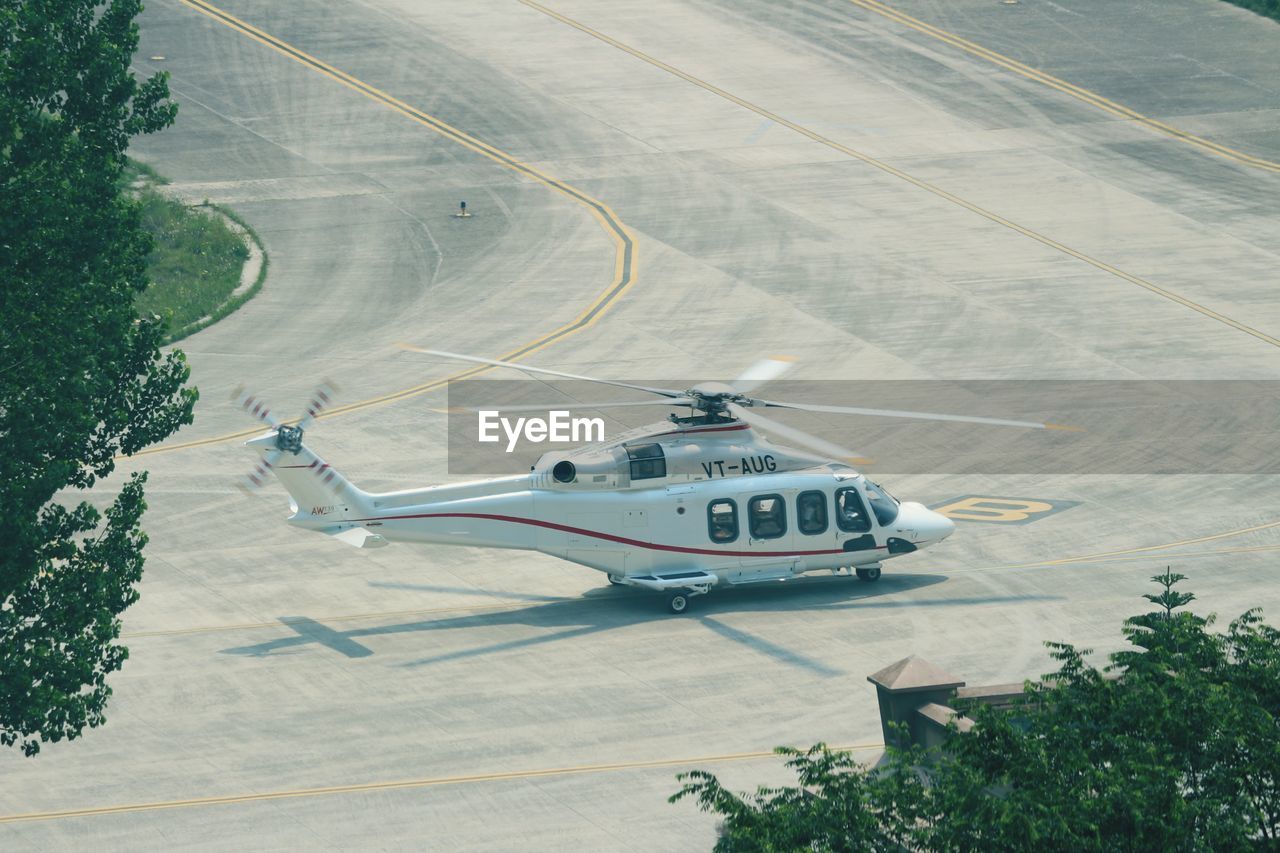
{"x": 1270, "y": 8}
{"x": 196, "y": 260}
{"x": 195, "y": 264}
{"x": 137, "y": 171}
{"x": 231, "y": 304}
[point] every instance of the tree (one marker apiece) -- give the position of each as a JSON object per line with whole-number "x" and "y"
{"x": 1175, "y": 746}
{"x": 82, "y": 379}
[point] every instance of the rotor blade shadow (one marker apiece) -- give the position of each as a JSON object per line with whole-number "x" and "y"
{"x": 502, "y": 595}
{"x": 607, "y": 609}
{"x": 778, "y": 653}
{"x": 509, "y": 645}
{"x": 949, "y": 602}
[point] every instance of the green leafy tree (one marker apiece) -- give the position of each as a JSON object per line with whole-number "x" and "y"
{"x": 82, "y": 380}
{"x": 1175, "y": 746}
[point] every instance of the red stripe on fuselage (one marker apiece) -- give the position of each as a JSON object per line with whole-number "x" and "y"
{"x": 653, "y": 546}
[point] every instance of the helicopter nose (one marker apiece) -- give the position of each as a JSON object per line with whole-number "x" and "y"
{"x": 929, "y": 526}
{"x": 940, "y": 527}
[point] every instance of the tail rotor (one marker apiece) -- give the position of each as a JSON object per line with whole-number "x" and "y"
{"x": 288, "y": 438}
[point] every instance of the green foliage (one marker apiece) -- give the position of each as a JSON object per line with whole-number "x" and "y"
{"x": 1175, "y": 746}
{"x": 1270, "y": 8}
{"x": 81, "y": 379}
{"x": 195, "y": 263}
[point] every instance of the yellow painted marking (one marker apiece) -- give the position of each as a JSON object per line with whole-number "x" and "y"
{"x": 1257, "y": 549}
{"x": 405, "y": 783}
{"x": 1077, "y": 92}
{"x": 625, "y": 255}
{"x": 1171, "y": 558}
{"x": 914, "y": 181}
{"x": 1193, "y": 541}
{"x": 993, "y": 509}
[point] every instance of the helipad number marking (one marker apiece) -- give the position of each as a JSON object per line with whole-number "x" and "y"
{"x": 1000, "y": 510}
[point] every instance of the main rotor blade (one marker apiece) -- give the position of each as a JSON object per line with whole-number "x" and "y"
{"x": 924, "y": 416}
{"x": 665, "y": 392}
{"x": 798, "y": 436}
{"x": 678, "y": 401}
{"x": 764, "y": 370}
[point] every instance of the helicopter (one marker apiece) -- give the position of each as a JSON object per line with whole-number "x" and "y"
{"x": 678, "y": 507}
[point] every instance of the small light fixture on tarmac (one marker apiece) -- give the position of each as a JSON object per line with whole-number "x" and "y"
{"x": 462, "y": 211}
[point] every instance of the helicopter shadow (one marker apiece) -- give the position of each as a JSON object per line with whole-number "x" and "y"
{"x": 611, "y": 608}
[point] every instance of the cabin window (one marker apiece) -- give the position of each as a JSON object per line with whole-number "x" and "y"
{"x": 722, "y": 520}
{"x": 811, "y": 513}
{"x": 647, "y": 461}
{"x": 851, "y": 513}
{"x": 768, "y": 516}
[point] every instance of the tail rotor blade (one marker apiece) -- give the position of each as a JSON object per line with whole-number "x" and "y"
{"x": 257, "y": 478}
{"x": 255, "y": 406}
{"x": 321, "y": 399}
{"x": 798, "y": 436}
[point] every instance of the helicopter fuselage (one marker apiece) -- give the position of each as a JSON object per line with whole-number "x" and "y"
{"x": 688, "y": 507}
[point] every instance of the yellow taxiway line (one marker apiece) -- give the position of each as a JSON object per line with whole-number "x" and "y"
{"x": 402, "y": 784}
{"x": 625, "y": 256}
{"x": 1077, "y": 92}
{"x": 911, "y": 179}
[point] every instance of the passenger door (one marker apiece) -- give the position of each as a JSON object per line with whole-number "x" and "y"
{"x": 853, "y": 522}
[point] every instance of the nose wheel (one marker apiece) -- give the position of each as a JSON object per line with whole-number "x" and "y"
{"x": 678, "y": 602}
{"x": 868, "y": 573}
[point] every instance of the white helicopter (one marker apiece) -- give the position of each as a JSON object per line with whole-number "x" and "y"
{"x": 678, "y": 507}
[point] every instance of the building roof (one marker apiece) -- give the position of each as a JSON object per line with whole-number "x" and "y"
{"x": 912, "y": 674}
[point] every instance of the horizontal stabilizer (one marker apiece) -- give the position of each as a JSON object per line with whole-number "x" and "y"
{"x": 358, "y": 537}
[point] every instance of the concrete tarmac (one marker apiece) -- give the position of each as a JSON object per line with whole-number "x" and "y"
{"x": 817, "y": 179}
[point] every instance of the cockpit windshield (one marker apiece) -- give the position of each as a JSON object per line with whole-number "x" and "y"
{"x": 883, "y": 504}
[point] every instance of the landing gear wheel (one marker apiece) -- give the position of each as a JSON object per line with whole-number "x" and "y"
{"x": 679, "y": 602}
{"x": 869, "y": 574}
{"x": 615, "y": 580}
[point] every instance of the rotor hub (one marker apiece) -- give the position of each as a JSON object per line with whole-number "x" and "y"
{"x": 289, "y": 438}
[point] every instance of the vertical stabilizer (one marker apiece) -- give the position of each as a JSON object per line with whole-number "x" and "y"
{"x": 321, "y": 496}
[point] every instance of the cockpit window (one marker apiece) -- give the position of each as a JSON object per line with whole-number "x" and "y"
{"x": 883, "y": 504}
{"x": 647, "y": 461}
